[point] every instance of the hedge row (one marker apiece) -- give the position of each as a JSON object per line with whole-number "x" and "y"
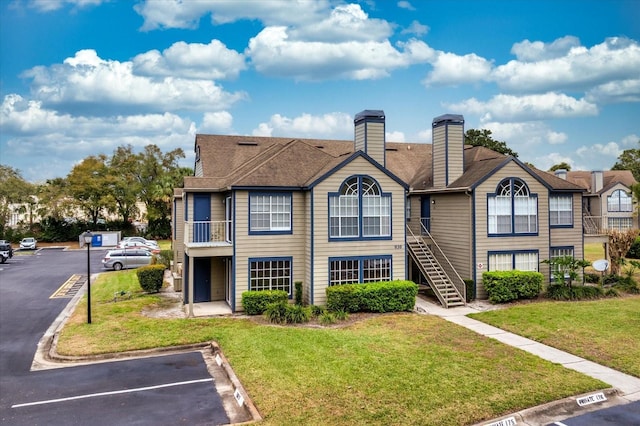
{"x": 505, "y": 286}
{"x": 255, "y": 302}
{"x": 388, "y": 296}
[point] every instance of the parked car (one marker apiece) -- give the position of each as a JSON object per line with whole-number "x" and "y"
{"x": 139, "y": 240}
{"x": 137, "y": 245}
{"x": 28, "y": 243}
{"x": 126, "y": 259}
{"x": 6, "y": 251}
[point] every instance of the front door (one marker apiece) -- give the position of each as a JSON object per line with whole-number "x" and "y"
{"x": 425, "y": 212}
{"x": 201, "y": 279}
{"x": 201, "y": 218}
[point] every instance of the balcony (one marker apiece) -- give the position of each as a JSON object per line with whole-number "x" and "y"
{"x": 212, "y": 236}
{"x": 600, "y": 225}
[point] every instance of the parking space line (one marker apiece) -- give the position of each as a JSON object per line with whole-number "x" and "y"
{"x": 70, "y": 287}
{"x": 94, "y": 395}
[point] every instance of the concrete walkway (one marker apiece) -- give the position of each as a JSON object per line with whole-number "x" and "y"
{"x": 627, "y": 385}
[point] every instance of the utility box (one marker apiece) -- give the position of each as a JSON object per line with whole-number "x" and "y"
{"x": 96, "y": 241}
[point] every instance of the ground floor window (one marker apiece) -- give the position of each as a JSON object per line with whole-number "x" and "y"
{"x": 620, "y": 223}
{"x": 270, "y": 274}
{"x": 557, "y": 252}
{"x": 359, "y": 270}
{"x": 508, "y": 261}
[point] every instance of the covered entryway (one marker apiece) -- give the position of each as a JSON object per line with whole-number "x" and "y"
{"x": 201, "y": 279}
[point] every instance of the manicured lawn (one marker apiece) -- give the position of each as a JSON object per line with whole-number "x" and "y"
{"x": 604, "y": 331}
{"x": 593, "y": 252}
{"x": 390, "y": 369}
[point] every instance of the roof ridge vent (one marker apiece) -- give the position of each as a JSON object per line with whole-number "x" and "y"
{"x": 247, "y": 143}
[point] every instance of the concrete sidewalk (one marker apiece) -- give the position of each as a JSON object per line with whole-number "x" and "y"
{"x": 627, "y": 386}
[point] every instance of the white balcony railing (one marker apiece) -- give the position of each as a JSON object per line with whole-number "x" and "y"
{"x": 208, "y": 232}
{"x": 600, "y": 225}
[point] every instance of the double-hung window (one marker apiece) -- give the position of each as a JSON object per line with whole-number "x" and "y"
{"x": 359, "y": 270}
{"x": 512, "y": 209}
{"x": 619, "y": 201}
{"x": 359, "y": 210}
{"x": 508, "y": 261}
{"x": 560, "y": 210}
{"x": 270, "y": 274}
{"x": 270, "y": 213}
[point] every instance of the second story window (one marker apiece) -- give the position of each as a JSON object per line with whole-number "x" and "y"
{"x": 560, "y": 210}
{"x": 619, "y": 201}
{"x": 359, "y": 210}
{"x": 512, "y": 209}
{"x": 269, "y": 212}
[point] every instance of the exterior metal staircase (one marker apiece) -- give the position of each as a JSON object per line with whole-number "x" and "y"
{"x": 448, "y": 287}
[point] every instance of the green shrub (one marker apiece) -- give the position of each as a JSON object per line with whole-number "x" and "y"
{"x": 298, "y": 292}
{"x": 388, "y": 296}
{"x": 563, "y": 292}
{"x": 255, "y": 302}
{"x": 506, "y": 286}
{"x": 151, "y": 277}
{"x": 634, "y": 251}
{"x": 165, "y": 257}
{"x": 316, "y": 310}
{"x": 327, "y": 318}
{"x": 611, "y": 292}
{"x": 341, "y": 315}
{"x": 591, "y": 278}
{"x": 628, "y": 285}
{"x": 276, "y": 312}
{"x": 297, "y": 314}
{"x": 471, "y": 290}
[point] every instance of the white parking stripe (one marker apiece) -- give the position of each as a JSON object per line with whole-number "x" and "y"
{"x": 93, "y": 395}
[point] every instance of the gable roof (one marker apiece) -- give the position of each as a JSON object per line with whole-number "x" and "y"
{"x": 255, "y": 161}
{"x": 610, "y": 178}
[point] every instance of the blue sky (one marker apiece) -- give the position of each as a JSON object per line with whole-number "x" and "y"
{"x": 557, "y": 80}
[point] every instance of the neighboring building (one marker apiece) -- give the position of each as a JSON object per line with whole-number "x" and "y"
{"x": 263, "y": 213}
{"x": 608, "y": 201}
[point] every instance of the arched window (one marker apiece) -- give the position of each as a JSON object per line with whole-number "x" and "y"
{"x": 359, "y": 209}
{"x": 512, "y": 209}
{"x": 619, "y": 201}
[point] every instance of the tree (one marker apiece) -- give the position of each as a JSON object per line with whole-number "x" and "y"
{"x": 483, "y": 138}
{"x": 619, "y": 244}
{"x": 629, "y": 160}
{"x": 561, "y": 166}
{"x": 87, "y": 185}
{"x": 54, "y": 201}
{"x": 13, "y": 190}
{"x": 566, "y": 268}
{"x": 122, "y": 184}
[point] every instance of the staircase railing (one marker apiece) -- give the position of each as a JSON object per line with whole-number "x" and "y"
{"x": 444, "y": 262}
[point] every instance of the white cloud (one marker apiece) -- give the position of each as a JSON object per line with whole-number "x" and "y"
{"x": 526, "y": 108}
{"x": 631, "y": 141}
{"x": 405, "y": 5}
{"x": 416, "y": 28}
{"x": 54, "y": 141}
{"x": 425, "y": 135}
{"x": 528, "y": 51}
{"x": 599, "y": 156}
{"x": 334, "y": 125}
{"x": 395, "y": 136}
{"x": 186, "y": 14}
{"x": 546, "y": 161}
{"x": 453, "y": 69}
{"x": 345, "y": 22}
{"x": 617, "y": 58}
{"x": 51, "y": 5}
{"x": 616, "y": 92}
{"x": 88, "y": 83}
{"x": 211, "y": 61}
{"x": 272, "y": 53}
{"x": 216, "y": 122}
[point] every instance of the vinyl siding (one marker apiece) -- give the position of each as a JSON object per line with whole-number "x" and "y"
{"x": 448, "y": 154}
{"x": 486, "y": 244}
{"x": 177, "y": 215}
{"x": 374, "y": 144}
{"x": 451, "y": 228}
{"x": 324, "y": 249}
{"x": 266, "y": 246}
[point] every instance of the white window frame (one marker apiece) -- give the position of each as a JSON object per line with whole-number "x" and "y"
{"x": 561, "y": 210}
{"x": 269, "y": 212}
{"x": 270, "y": 274}
{"x": 619, "y": 201}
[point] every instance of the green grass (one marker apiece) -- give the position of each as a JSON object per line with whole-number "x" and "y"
{"x": 390, "y": 369}
{"x": 593, "y": 252}
{"x": 604, "y": 331}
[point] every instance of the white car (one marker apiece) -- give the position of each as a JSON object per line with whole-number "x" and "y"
{"x": 28, "y": 243}
{"x": 139, "y": 240}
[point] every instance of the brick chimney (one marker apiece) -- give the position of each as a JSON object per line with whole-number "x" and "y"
{"x": 447, "y": 149}
{"x": 369, "y": 134}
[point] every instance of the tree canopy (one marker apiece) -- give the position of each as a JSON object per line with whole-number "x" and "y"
{"x": 561, "y": 166}
{"x": 483, "y": 137}
{"x": 629, "y": 160}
